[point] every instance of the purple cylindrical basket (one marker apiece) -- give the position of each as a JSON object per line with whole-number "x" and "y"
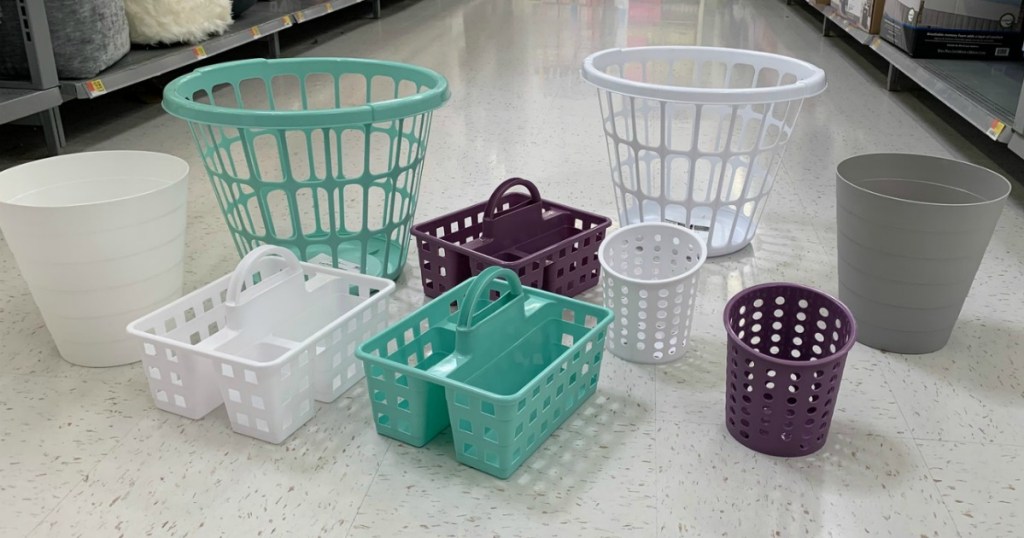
{"x": 787, "y": 349}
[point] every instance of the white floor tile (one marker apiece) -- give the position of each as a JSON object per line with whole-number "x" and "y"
{"x": 858, "y": 485}
{"x": 983, "y": 486}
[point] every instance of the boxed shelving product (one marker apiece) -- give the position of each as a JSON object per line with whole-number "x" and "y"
{"x": 986, "y": 29}
{"x": 864, "y": 14}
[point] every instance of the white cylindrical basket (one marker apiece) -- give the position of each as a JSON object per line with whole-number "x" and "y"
{"x": 649, "y": 275}
{"x": 100, "y": 239}
{"x": 696, "y": 134}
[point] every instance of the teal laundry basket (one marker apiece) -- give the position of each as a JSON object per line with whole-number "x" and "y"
{"x": 322, "y": 156}
{"x": 503, "y": 364}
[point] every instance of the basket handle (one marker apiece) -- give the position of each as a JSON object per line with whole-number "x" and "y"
{"x": 499, "y": 193}
{"x": 480, "y": 286}
{"x": 246, "y": 267}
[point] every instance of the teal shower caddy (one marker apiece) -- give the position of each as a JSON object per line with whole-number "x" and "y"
{"x": 503, "y": 364}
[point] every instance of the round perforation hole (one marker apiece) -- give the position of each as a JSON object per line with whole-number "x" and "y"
{"x": 780, "y": 300}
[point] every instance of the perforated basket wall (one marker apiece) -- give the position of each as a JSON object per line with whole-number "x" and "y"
{"x": 567, "y": 267}
{"x": 323, "y": 156}
{"x": 413, "y": 401}
{"x": 266, "y": 401}
{"x": 787, "y": 346}
{"x": 650, "y": 281}
{"x": 707, "y": 164}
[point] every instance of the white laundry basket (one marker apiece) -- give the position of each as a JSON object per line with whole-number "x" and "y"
{"x": 696, "y": 134}
{"x": 649, "y": 273}
{"x": 100, "y": 239}
{"x": 266, "y": 341}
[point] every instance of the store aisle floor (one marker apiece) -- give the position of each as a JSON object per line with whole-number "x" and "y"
{"x": 920, "y": 445}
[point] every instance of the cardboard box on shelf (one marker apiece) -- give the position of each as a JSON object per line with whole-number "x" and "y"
{"x": 864, "y": 14}
{"x": 984, "y": 29}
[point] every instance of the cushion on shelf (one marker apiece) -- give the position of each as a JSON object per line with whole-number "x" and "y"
{"x": 87, "y": 37}
{"x": 156, "y": 22}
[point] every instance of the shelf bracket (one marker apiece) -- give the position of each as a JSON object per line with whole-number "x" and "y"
{"x": 376, "y": 9}
{"x": 895, "y": 79}
{"x": 53, "y": 130}
{"x": 273, "y": 45}
{"x": 826, "y": 27}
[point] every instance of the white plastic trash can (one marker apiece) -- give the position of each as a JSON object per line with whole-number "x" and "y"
{"x": 100, "y": 239}
{"x": 696, "y": 134}
{"x": 649, "y": 274}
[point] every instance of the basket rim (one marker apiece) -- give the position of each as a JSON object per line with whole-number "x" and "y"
{"x": 673, "y": 228}
{"x": 812, "y": 82}
{"x": 852, "y": 179}
{"x": 840, "y": 352}
{"x": 177, "y": 96}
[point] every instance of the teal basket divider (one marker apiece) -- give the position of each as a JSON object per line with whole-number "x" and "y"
{"x": 322, "y": 156}
{"x": 502, "y": 364}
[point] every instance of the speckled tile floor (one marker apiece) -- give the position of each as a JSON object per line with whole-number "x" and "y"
{"x": 920, "y": 445}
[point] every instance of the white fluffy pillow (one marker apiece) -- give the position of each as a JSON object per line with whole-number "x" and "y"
{"x": 153, "y": 22}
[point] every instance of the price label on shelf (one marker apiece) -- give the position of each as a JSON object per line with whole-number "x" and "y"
{"x": 287, "y": 20}
{"x": 875, "y": 43}
{"x": 255, "y": 31}
{"x": 329, "y": 6}
{"x": 299, "y": 16}
{"x": 995, "y": 129}
{"x": 199, "y": 52}
{"x": 95, "y": 87}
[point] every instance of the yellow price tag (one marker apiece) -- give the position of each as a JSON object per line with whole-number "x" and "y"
{"x": 287, "y": 20}
{"x": 255, "y": 31}
{"x": 995, "y": 129}
{"x": 199, "y": 52}
{"x": 95, "y": 87}
{"x": 875, "y": 42}
{"x": 329, "y": 6}
{"x": 299, "y": 16}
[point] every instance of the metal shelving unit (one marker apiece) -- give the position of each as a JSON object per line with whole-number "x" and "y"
{"x": 36, "y": 100}
{"x": 43, "y": 96}
{"x": 985, "y": 93}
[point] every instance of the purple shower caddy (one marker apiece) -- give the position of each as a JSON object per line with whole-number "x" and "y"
{"x": 787, "y": 349}
{"x": 550, "y": 246}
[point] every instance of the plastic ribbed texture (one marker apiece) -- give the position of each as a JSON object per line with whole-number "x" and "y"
{"x": 100, "y": 239}
{"x": 696, "y": 134}
{"x": 319, "y": 155}
{"x": 548, "y": 245}
{"x": 651, "y": 272}
{"x": 912, "y": 231}
{"x": 787, "y": 346}
{"x": 503, "y": 364}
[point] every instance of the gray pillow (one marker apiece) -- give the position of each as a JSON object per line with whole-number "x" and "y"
{"x": 88, "y": 36}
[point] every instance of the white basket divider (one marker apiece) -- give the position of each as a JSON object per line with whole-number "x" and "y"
{"x": 266, "y": 341}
